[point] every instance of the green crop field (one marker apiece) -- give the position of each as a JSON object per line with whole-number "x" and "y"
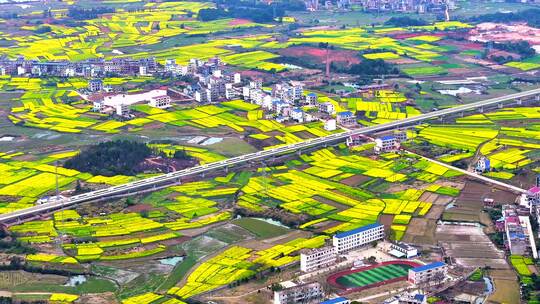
{"x": 261, "y": 228}
{"x": 374, "y": 275}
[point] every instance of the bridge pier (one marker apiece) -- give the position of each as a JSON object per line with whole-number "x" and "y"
{"x": 226, "y": 169}
{"x": 537, "y": 97}
{"x": 520, "y": 102}
{"x": 299, "y": 152}
{"x": 500, "y": 105}
{"x": 481, "y": 109}
{"x": 462, "y": 113}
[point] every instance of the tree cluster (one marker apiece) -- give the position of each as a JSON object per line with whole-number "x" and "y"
{"x": 43, "y": 29}
{"x": 369, "y": 68}
{"x": 110, "y": 158}
{"x": 523, "y": 48}
{"x": 90, "y": 13}
{"x": 531, "y": 16}
{"x": 257, "y": 12}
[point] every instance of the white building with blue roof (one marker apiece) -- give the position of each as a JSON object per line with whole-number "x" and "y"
{"x": 340, "y": 300}
{"x": 359, "y": 237}
{"x": 388, "y": 143}
{"x": 427, "y": 273}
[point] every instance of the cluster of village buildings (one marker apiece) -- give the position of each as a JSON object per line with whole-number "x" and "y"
{"x": 403, "y": 6}
{"x": 96, "y": 67}
{"x": 515, "y": 222}
{"x": 283, "y": 102}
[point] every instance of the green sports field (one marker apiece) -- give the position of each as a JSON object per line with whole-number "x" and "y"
{"x": 374, "y": 275}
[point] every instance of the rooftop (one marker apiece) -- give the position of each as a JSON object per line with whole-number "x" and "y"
{"x": 357, "y": 230}
{"x": 388, "y": 137}
{"x": 534, "y": 190}
{"x": 433, "y": 265}
{"x": 419, "y": 297}
{"x": 345, "y": 113}
{"x": 334, "y": 301}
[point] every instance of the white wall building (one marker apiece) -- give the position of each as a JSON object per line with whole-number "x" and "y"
{"x": 297, "y": 115}
{"x": 327, "y": 107}
{"x": 95, "y": 85}
{"x": 122, "y": 109}
{"x": 403, "y": 250}
{"x": 161, "y": 102}
{"x": 237, "y": 78}
{"x": 386, "y": 144}
{"x": 230, "y": 92}
{"x": 428, "y": 273}
{"x": 330, "y": 125}
{"x": 129, "y": 99}
{"x": 311, "y": 99}
{"x": 143, "y": 71}
{"x": 313, "y": 259}
{"x": 358, "y": 237}
{"x": 97, "y": 106}
{"x": 306, "y": 293}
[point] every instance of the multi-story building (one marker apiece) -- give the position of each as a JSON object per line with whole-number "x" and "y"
{"x": 237, "y": 78}
{"x": 95, "y": 85}
{"x": 330, "y": 124}
{"x": 401, "y": 135}
{"x": 161, "y": 102}
{"x": 518, "y": 231}
{"x": 355, "y": 140}
{"x": 400, "y": 249}
{"x": 533, "y": 195}
{"x": 201, "y": 96}
{"x": 483, "y": 165}
{"x": 407, "y": 298}
{"x": 432, "y": 272}
{"x": 288, "y": 92}
{"x": 230, "y": 92}
{"x": 298, "y": 115}
{"x": 122, "y": 109}
{"x": 314, "y": 259}
{"x": 311, "y": 99}
{"x": 386, "y": 144}
{"x": 97, "y": 106}
{"x": 281, "y": 108}
{"x": 327, "y": 108}
{"x": 346, "y": 119}
{"x": 358, "y": 237}
{"x": 256, "y": 83}
{"x": 310, "y": 293}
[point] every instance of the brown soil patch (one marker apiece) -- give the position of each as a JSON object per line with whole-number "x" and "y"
{"x": 139, "y": 208}
{"x": 386, "y": 220}
{"x": 319, "y": 55}
{"x": 420, "y": 231}
{"x": 355, "y": 180}
{"x": 239, "y": 22}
